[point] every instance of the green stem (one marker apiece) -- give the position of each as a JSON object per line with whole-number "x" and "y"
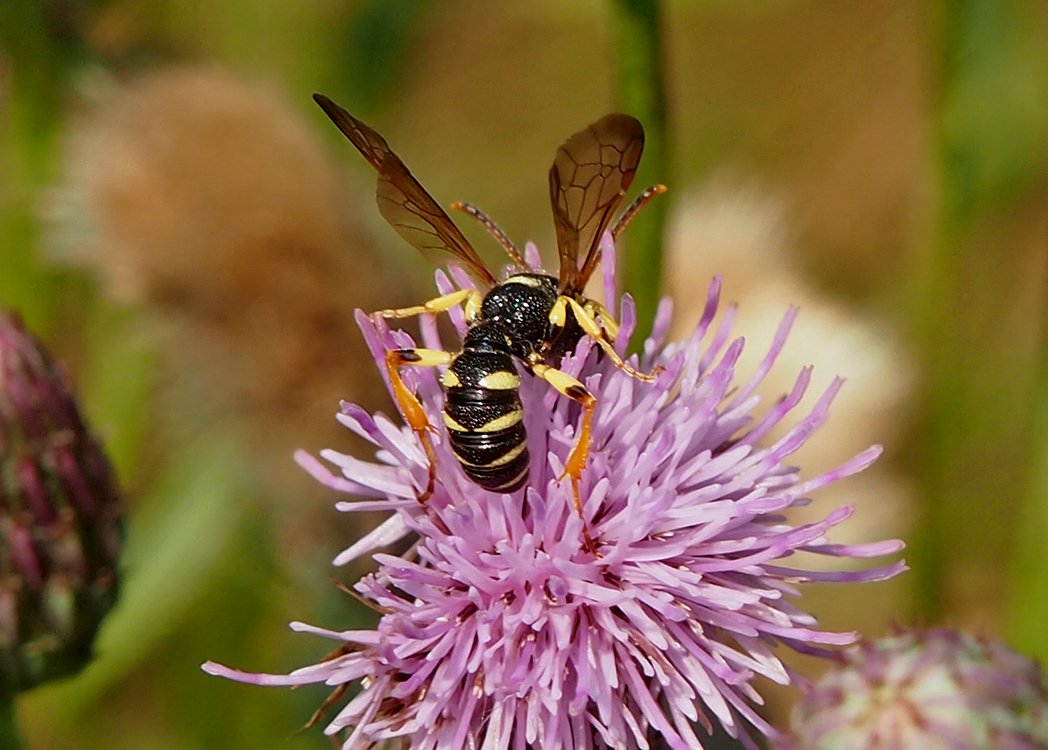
{"x": 40, "y": 53}
{"x": 974, "y": 276}
{"x": 10, "y": 739}
{"x": 1027, "y": 613}
{"x": 639, "y": 77}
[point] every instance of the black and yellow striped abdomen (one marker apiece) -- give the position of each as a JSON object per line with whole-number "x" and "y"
{"x": 484, "y": 417}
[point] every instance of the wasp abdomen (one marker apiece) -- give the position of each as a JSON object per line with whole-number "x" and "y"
{"x": 497, "y": 461}
{"x": 484, "y": 418}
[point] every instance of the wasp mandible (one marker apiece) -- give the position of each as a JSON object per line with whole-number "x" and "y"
{"x": 530, "y": 317}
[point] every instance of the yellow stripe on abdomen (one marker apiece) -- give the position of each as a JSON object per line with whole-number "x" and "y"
{"x": 503, "y": 380}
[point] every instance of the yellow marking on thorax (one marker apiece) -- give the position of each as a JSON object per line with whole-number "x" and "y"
{"x": 502, "y": 380}
{"x": 450, "y": 379}
{"x": 559, "y": 312}
{"x": 501, "y": 423}
{"x": 473, "y": 307}
{"x": 524, "y": 280}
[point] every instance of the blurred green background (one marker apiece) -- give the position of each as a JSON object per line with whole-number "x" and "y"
{"x": 191, "y": 235}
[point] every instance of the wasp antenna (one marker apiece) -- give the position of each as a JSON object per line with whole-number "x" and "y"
{"x": 494, "y": 230}
{"x": 641, "y": 201}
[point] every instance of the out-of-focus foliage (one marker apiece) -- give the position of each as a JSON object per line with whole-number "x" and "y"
{"x": 883, "y": 164}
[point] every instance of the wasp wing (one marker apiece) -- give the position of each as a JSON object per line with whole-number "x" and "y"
{"x": 402, "y": 201}
{"x": 588, "y": 180}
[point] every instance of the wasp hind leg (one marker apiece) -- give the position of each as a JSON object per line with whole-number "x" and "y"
{"x": 576, "y": 463}
{"x": 409, "y": 403}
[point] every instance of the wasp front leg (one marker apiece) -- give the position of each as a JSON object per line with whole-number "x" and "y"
{"x": 608, "y": 324}
{"x": 471, "y": 297}
{"x": 603, "y": 332}
{"x": 576, "y": 463}
{"x": 409, "y": 403}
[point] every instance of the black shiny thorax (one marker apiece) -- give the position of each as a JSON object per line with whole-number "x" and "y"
{"x": 519, "y": 309}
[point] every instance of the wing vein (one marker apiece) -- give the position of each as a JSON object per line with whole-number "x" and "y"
{"x": 402, "y": 200}
{"x": 588, "y": 181}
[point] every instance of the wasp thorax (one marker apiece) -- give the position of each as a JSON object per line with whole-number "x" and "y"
{"x": 520, "y": 306}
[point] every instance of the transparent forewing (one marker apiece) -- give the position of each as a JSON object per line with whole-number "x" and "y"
{"x": 368, "y": 142}
{"x": 422, "y": 222}
{"x": 402, "y": 201}
{"x": 588, "y": 180}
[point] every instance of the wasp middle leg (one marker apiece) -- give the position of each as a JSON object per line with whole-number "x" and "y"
{"x": 409, "y": 403}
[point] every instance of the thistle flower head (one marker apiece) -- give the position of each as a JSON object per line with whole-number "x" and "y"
{"x": 936, "y": 690}
{"x": 500, "y": 629}
{"x": 59, "y": 519}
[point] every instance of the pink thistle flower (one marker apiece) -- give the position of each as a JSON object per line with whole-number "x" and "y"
{"x": 499, "y": 629}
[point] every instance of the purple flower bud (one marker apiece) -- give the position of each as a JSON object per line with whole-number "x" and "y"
{"x": 935, "y": 690}
{"x": 60, "y": 519}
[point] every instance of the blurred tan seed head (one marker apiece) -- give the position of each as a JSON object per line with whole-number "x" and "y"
{"x": 215, "y": 205}
{"x": 742, "y": 231}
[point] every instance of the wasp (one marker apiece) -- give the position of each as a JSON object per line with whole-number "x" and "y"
{"x": 530, "y": 318}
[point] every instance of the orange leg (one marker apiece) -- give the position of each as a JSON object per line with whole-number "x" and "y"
{"x": 409, "y": 404}
{"x": 576, "y": 463}
{"x": 603, "y": 332}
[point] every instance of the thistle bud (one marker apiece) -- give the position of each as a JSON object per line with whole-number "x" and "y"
{"x": 60, "y": 520}
{"x": 926, "y": 690}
